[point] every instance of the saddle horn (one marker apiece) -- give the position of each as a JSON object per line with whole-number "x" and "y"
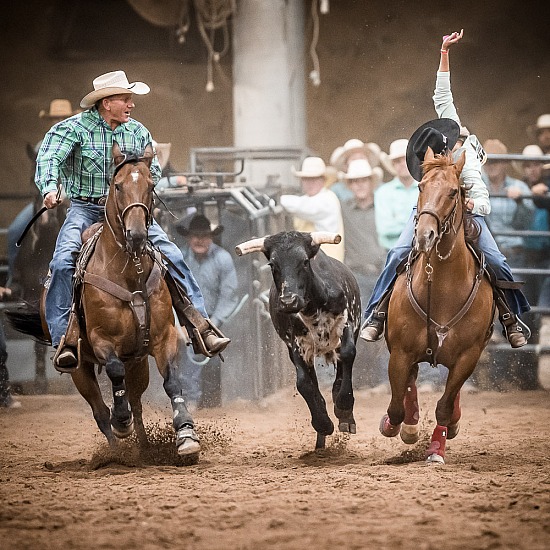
{"x": 254, "y": 245}
{"x": 325, "y": 237}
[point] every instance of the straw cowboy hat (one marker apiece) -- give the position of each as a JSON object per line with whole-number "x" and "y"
{"x": 495, "y": 147}
{"x": 361, "y": 168}
{"x": 370, "y": 150}
{"x": 439, "y": 134}
{"x": 312, "y": 167}
{"x": 163, "y": 152}
{"x": 112, "y": 83}
{"x": 542, "y": 122}
{"x": 59, "y": 108}
{"x": 398, "y": 149}
{"x": 198, "y": 225}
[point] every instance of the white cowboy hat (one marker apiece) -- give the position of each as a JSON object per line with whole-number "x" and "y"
{"x": 358, "y": 168}
{"x": 59, "y": 108}
{"x": 336, "y": 155}
{"x": 543, "y": 121}
{"x": 398, "y": 149}
{"x": 528, "y": 151}
{"x": 112, "y": 83}
{"x": 361, "y": 168}
{"x": 370, "y": 150}
{"x": 163, "y": 152}
{"x": 312, "y": 167}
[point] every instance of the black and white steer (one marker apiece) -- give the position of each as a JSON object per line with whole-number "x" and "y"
{"x": 315, "y": 307}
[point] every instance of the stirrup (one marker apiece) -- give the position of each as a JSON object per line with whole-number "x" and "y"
{"x": 209, "y": 342}
{"x": 65, "y": 359}
{"x": 515, "y": 330}
{"x": 373, "y": 329}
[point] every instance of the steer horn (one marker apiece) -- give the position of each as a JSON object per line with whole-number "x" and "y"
{"x": 325, "y": 237}
{"x": 254, "y": 245}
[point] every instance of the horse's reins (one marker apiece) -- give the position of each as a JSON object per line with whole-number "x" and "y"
{"x": 441, "y": 331}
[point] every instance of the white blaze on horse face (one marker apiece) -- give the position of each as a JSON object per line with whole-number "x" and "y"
{"x": 135, "y": 176}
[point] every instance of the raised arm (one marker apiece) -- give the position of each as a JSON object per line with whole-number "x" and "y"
{"x": 448, "y": 40}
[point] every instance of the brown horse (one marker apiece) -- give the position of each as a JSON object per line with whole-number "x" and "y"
{"x": 126, "y": 312}
{"x": 441, "y": 309}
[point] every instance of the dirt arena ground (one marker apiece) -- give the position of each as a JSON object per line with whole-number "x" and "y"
{"x": 259, "y": 485}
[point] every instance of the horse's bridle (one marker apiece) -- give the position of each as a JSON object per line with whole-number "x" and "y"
{"x": 130, "y": 159}
{"x": 443, "y": 226}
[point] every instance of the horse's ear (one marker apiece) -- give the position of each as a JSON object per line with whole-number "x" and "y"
{"x": 117, "y": 154}
{"x": 429, "y": 154}
{"x": 148, "y": 154}
{"x": 459, "y": 164}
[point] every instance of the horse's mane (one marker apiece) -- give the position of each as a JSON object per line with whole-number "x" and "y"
{"x": 439, "y": 161}
{"x": 472, "y": 229}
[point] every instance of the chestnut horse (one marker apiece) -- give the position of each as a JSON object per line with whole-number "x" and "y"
{"x": 125, "y": 311}
{"x": 441, "y": 309}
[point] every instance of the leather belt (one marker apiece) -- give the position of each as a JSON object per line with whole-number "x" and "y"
{"x": 100, "y": 201}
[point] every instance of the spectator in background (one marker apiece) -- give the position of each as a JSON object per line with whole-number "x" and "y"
{"x": 511, "y": 211}
{"x": 540, "y": 132}
{"x": 536, "y": 248}
{"x": 318, "y": 209}
{"x": 365, "y": 257}
{"x": 215, "y": 272}
{"x": 353, "y": 149}
{"x": 395, "y": 199}
{"x": 6, "y": 399}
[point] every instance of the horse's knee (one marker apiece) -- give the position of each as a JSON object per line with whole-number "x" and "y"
{"x": 115, "y": 370}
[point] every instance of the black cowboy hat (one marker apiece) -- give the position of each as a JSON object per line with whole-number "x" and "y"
{"x": 440, "y": 134}
{"x": 198, "y": 224}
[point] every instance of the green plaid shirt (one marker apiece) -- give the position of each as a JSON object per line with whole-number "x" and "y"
{"x": 77, "y": 150}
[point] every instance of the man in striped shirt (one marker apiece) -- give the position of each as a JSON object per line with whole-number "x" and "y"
{"x": 77, "y": 151}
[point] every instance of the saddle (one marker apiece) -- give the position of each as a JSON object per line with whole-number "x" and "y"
{"x": 138, "y": 300}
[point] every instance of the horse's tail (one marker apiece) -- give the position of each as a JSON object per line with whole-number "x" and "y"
{"x": 26, "y": 319}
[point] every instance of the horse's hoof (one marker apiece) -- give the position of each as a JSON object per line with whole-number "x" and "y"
{"x": 452, "y": 430}
{"x": 324, "y": 428}
{"x": 348, "y": 427}
{"x": 434, "y": 458}
{"x": 320, "y": 442}
{"x": 410, "y": 433}
{"x": 187, "y": 442}
{"x": 123, "y": 429}
{"x": 387, "y": 429}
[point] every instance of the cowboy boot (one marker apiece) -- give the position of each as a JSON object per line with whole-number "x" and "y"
{"x": 206, "y": 338}
{"x": 515, "y": 331}
{"x": 373, "y": 329}
{"x": 66, "y": 356}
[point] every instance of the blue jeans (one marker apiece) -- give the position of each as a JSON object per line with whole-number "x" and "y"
{"x": 516, "y": 300}
{"x": 81, "y": 215}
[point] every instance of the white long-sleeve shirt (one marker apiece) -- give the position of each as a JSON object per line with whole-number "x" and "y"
{"x": 471, "y": 173}
{"x": 320, "y": 212}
